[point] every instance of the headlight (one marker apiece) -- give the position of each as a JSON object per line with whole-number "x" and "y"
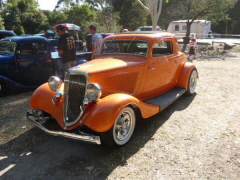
{"x": 54, "y": 83}
{"x": 94, "y": 92}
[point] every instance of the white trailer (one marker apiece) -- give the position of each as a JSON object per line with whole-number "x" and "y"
{"x": 202, "y": 28}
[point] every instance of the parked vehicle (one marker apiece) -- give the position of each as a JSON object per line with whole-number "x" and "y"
{"x": 40, "y": 34}
{"x": 216, "y": 35}
{"x": 26, "y": 62}
{"x": 147, "y": 28}
{"x": 99, "y": 100}
{"x": 5, "y": 33}
{"x": 200, "y": 27}
{"x": 53, "y": 44}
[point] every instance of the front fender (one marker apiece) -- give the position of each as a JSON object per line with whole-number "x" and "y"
{"x": 101, "y": 116}
{"x": 184, "y": 76}
{"x": 42, "y": 100}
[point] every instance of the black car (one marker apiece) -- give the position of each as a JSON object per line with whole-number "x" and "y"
{"x": 6, "y": 33}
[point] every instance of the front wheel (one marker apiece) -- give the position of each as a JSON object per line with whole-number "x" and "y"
{"x": 192, "y": 82}
{"x": 122, "y": 130}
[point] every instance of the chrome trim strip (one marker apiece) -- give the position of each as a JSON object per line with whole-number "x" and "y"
{"x": 84, "y": 137}
{"x": 65, "y": 95}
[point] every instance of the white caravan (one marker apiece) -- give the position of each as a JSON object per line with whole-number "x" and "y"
{"x": 202, "y": 28}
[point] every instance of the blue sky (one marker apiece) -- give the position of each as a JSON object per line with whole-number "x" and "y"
{"x": 47, "y": 4}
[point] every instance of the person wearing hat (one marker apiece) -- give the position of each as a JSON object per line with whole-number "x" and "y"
{"x": 66, "y": 48}
{"x": 125, "y": 30}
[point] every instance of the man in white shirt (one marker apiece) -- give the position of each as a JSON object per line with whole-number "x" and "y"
{"x": 96, "y": 41}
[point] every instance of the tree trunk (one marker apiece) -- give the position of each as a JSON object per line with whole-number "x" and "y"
{"x": 154, "y": 23}
{"x": 187, "y": 36}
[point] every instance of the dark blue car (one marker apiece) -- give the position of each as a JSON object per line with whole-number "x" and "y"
{"x": 27, "y": 62}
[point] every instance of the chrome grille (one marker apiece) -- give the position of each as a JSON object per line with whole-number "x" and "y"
{"x": 74, "y": 93}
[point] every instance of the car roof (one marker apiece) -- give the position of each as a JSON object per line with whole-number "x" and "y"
{"x": 147, "y": 35}
{"x": 24, "y": 39}
{"x": 7, "y": 32}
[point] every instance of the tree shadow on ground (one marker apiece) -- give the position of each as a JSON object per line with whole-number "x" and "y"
{"x": 36, "y": 155}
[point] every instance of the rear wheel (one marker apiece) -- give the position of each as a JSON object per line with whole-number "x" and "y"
{"x": 192, "y": 82}
{"x": 122, "y": 130}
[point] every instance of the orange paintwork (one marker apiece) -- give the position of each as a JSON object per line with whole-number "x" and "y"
{"x": 125, "y": 80}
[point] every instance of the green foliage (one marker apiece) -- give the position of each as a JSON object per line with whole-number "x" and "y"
{"x": 23, "y": 16}
{"x": 80, "y": 15}
{"x": 34, "y": 21}
{"x": 131, "y": 14}
{"x": 231, "y": 23}
{"x": 2, "y": 27}
{"x": 56, "y": 17}
{"x": 19, "y": 30}
{"x": 213, "y": 10}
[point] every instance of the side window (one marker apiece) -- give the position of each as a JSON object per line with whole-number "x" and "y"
{"x": 162, "y": 48}
{"x": 34, "y": 48}
{"x": 176, "y": 27}
{"x": 184, "y": 28}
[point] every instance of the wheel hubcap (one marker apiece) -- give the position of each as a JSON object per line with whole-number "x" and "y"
{"x": 123, "y": 125}
{"x": 193, "y": 81}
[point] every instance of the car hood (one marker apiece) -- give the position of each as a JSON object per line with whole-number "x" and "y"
{"x": 110, "y": 64}
{"x": 8, "y": 58}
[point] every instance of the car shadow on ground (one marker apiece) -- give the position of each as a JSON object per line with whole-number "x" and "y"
{"x": 36, "y": 155}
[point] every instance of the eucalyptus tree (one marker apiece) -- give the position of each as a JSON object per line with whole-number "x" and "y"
{"x": 154, "y": 8}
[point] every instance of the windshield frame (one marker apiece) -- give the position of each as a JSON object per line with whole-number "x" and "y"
{"x": 8, "y": 42}
{"x": 130, "y": 41}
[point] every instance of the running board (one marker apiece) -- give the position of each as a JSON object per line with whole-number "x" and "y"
{"x": 167, "y": 98}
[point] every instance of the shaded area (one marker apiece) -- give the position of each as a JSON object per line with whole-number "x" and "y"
{"x": 36, "y": 155}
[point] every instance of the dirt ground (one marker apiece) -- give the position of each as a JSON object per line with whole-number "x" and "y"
{"x": 197, "y": 137}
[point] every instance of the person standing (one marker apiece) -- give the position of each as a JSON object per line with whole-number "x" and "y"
{"x": 193, "y": 45}
{"x": 96, "y": 41}
{"x": 66, "y": 48}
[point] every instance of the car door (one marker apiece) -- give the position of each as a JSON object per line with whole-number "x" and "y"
{"x": 161, "y": 69}
{"x": 34, "y": 63}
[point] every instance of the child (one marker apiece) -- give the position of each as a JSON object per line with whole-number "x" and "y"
{"x": 193, "y": 44}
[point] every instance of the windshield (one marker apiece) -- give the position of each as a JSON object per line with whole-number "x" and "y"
{"x": 131, "y": 46}
{"x": 7, "y": 47}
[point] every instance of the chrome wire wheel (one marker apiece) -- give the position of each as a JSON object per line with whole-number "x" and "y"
{"x": 122, "y": 129}
{"x": 192, "y": 82}
{"x": 124, "y": 126}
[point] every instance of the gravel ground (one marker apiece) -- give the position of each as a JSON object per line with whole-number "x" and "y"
{"x": 197, "y": 137}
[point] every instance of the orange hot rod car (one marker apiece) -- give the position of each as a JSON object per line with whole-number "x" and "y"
{"x": 98, "y": 101}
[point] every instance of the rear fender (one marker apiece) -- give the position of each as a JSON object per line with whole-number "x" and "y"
{"x": 101, "y": 116}
{"x": 184, "y": 76}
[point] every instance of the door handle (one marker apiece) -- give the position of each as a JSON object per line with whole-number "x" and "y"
{"x": 151, "y": 68}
